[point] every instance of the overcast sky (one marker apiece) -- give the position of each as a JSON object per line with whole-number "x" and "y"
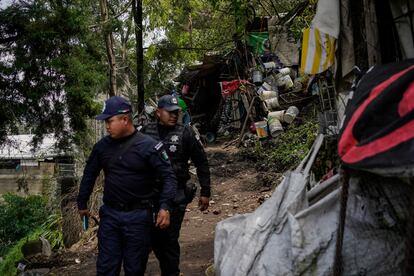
{"x": 4, "y": 3}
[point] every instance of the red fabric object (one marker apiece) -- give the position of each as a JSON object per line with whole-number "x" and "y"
{"x": 229, "y": 87}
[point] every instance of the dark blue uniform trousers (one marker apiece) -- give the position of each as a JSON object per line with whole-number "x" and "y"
{"x": 165, "y": 243}
{"x": 123, "y": 237}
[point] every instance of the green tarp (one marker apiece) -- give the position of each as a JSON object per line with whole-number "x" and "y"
{"x": 259, "y": 41}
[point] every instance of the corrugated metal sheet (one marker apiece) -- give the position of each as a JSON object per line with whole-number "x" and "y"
{"x": 20, "y": 147}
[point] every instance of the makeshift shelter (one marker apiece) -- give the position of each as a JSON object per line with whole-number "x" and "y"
{"x": 354, "y": 223}
{"x": 211, "y": 90}
{"x": 350, "y": 224}
{"x": 201, "y": 92}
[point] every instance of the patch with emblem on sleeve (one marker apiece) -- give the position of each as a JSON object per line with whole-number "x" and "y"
{"x": 158, "y": 146}
{"x": 164, "y": 155}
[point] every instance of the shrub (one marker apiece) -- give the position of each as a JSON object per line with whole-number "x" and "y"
{"x": 52, "y": 231}
{"x": 286, "y": 152}
{"x": 48, "y": 230}
{"x": 18, "y": 217}
{"x": 8, "y": 266}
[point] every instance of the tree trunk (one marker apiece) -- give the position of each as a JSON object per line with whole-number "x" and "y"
{"x": 126, "y": 88}
{"x": 137, "y": 11}
{"x": 109, "y": 43}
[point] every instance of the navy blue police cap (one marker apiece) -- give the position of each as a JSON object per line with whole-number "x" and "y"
{"x": 169, "y": 103}
{"x": 113, "y": 106}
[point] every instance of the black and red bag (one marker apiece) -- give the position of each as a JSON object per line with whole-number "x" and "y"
{"x": 378, "y": 130}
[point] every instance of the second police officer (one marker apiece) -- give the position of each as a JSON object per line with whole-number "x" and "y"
{"x": 181, "y": 144}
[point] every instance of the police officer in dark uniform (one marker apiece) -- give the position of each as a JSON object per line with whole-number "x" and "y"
{"x": 181, "y": 144}
{"x": 131, "y": 162}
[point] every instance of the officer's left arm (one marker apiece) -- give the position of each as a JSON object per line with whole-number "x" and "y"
{"x": 197, "y": 154}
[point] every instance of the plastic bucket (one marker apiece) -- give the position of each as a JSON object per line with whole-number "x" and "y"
{"x": 266, "y": 86}
{"x": 261, "y": 129}
{"x": 284, "y": 71}
{"x": 278, "y": 115}
{"x": 290, "y": 114}
{"x": 275, "y": 127}
{"x": 284, "y": 81}
{"x": 268, "y": 95}
{"x": 272, "y": 103}
{"x": 269, "y": 65}
{"x": 257, "y": 77}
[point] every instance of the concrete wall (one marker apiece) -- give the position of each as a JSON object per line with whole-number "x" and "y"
{"x": 36, "y": 177}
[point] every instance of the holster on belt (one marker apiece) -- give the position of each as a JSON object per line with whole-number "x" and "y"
{"x": 186, "y": 193}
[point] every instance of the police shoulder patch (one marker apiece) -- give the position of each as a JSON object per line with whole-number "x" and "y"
{"x": 164, "y": 155}
{"x": 158, "y": 146}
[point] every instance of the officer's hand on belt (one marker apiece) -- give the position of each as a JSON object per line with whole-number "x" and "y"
{"x": 203, "y": 203}
{"x": 163, "y": 219}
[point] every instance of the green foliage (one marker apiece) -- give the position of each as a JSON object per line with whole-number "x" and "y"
{"x": 53, "y": 62}
{"x": 18, "y": 217}
{"x": 51, "y": 230}
{"x": 50, "y": 68}
{"x": 299, "y": 23}
{"x": 8, "y": 266}
{"x": 287, "y": 151}
{"x": 293, "y": 145}
{"x": 189, "y": 29}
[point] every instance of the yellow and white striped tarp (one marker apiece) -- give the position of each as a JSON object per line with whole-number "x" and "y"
{"x": 318, "y": 51}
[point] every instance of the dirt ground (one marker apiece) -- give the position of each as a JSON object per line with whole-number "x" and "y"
{"x": 234, "y": 191}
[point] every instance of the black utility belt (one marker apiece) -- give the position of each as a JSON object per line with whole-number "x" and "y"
{"x": 142, "y": 204}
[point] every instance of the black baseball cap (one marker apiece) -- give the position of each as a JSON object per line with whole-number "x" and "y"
{"x": 113, "y": 106}
{"x": 169, "y": 103}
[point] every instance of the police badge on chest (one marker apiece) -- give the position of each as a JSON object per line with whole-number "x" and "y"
{"x": 173, "y": 143}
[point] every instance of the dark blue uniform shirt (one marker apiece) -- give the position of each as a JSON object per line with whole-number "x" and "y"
{"x": 192, "y": 149}
{"x": 130, "y": 178}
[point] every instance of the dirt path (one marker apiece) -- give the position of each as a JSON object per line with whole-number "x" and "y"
{"x": 233, "y": 192}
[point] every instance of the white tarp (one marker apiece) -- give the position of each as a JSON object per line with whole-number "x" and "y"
{"x": 285, "y": 48}
{"x": 327, "y": 18}
{"x": 287, "y": 236}
{"x": 283, "y": 236}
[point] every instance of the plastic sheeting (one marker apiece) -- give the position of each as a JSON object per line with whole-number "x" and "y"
{"x": 375, "y": 226}
{"x": 327, "y": 18}
{"x": 284, "y": 236}
{"x": 288, "y": 236}
{"x": 402, "y": 10}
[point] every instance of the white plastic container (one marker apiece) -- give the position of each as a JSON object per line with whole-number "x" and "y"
{"x": 272, "y": 103}
{"x": 275, "y": 127}
{"x": 257, "y": 77}
{"x": 268, "y": 95}
{"x": 290, "y": 114}
{"x": 284, "y": 71}
{"x": 283, "y": 81}
{"x": 266, "y": 86}
{"x": 269, "y": 65}
{"x": 278, "y": 115}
